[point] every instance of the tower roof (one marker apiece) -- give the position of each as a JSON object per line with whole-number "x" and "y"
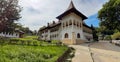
{"x": 71, "y": 5}
{"x": 71, "y": 9}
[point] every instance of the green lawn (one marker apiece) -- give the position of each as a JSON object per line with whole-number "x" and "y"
{"x": 23, "y": 53}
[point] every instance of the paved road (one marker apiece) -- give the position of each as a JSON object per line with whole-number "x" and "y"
{"x": 96, "y": 52}
{"x": 105, "y": 52}
{"x": 82, "y": 53}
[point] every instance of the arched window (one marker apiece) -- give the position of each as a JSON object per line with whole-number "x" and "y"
{"x": 66, "y": 35}
{"x": 63, "y": 25}
{"x": 77, "y": 24}
{"x": 74, "y": 22}
{"x": 78, "y": 35}
{"x": 70, "y": 23}
{"x": 80, "y": 25}
{"x": 66, "y": 24}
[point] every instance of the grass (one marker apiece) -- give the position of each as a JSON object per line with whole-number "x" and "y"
{"x": 26, "y": 53}
{"x": 18, "y": 53}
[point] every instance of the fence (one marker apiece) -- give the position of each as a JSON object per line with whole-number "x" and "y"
{"x": 10, "y": 35}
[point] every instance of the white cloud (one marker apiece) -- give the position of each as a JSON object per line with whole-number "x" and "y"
{"x": 36, "y": 13}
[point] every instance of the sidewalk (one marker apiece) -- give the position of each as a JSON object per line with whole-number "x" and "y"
{"x": 82, "y": 53}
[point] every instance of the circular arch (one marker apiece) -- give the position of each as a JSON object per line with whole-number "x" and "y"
{"x": 66, "y": 35}
{"x": 78, "y": 35}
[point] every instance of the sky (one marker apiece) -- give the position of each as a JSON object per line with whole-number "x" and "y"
{"x": 37, "y": 13}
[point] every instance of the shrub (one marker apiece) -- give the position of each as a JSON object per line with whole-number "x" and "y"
{"x": 116, "y": 36}
{"x": 13, "y": 41}
{"x": 35, "y": 43}
{"x": 108, "y": 37}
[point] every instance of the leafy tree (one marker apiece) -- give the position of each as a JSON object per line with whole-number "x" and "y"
{"x": 20, "y": 27}
{"x": 110, "y": 17}
{"x": 95, "y": 37}
{"x": 9, "y": 12}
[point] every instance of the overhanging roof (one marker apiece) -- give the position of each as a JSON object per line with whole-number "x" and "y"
{"x": 71, "y": 9}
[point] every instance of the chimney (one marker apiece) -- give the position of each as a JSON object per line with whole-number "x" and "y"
{"x": 48, "y": 24}
{"x": 53, "y": 22}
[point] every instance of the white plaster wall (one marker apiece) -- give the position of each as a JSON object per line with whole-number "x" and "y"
{"x": 69, "y": 29}
{"x": 79, "y": 30}
{"x": 14, "y": 35}
{"x": 53, "y": 33}
{"x": 73, "y": 28}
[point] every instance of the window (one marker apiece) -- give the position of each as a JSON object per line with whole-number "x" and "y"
{"x": 63, "y": 25}
{"x": 74, "y": 22}
{"x": 78, "y": 35}
{"x": 42, "y": 36}
{"x": 80, "y": 25}
{"x": 70, "y": 23}
{"x": 66, "y": 24}
{"x": 77, "y": 24}
{"x": 66, "y": 35}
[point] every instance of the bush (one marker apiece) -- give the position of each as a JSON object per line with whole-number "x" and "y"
{"x": 35, "y": 43}
{"x": 116, "y": 36}
{"x": 108, "y": 37}
{"x": 19, "y": 53}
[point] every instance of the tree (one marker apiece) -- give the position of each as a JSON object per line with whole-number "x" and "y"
{"x": 94, "y": 33}
{"x": 9, "y": 12}
{"x": 20, "y": 27}
{"x": 110, "y": 17}
{"x": 35, "y": 32}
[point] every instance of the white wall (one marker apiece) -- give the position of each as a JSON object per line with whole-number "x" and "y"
{"x": 72, "y": 28}
{"x": 14, "y": 35}
{"x": 69, "y": 29}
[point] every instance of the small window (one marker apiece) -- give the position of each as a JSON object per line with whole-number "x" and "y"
{"x": 70, "y": 23}
{"x": 66, "y": 35}
{"x": 77, "y": 24}
{"x": 74, "y": 22}
{"x": 63, "y": 25}
{"x": 80, "y": 25}
{"x": 78, "y": 35}
{"x": 66, "y": 24}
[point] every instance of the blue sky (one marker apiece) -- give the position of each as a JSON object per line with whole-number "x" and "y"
{"x": 37, "y": 13}
{"x": 92, "y": 20}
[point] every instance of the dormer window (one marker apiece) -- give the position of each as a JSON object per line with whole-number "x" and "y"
{"x": 80, "y": 25}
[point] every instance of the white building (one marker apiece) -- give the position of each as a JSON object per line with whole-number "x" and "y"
{"x": 70, "y": 29}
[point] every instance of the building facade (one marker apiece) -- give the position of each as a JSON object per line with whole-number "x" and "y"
{"x": 70, "y": 29}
